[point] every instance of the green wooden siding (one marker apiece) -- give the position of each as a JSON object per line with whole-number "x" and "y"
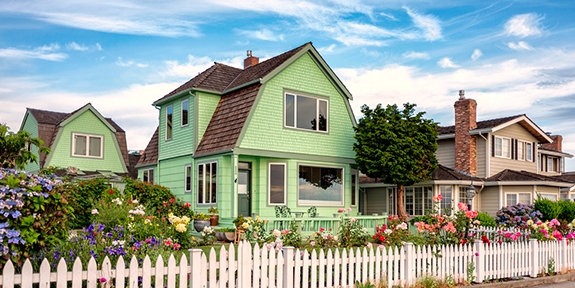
{"x": 170, "y": 173}
{"x": 206, "y": 105}
{"x": 182, "y": 142}
{"x": 141, "y": 173}
{"x": 32, "y": 127}
{"x": 86, "y": 123}
{"x": 266, "y": 127}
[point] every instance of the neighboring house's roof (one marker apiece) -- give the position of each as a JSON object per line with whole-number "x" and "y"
{"x": 566, "y": 177}
{"x": 49, "y": 123}
{"x": 554, "y": 152}
{"x": 150, "y": 155}
{"x": 442, "y": 173}
{"x": 509, "y": 175}
{"x": 493, "y": 125}
{"x": 220, "y": 77}
{"x": 133, "y": 160}
{"x": 229, "y": 117}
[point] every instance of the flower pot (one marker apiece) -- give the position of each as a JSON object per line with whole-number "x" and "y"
{"x": 214, "y": 219}
{"x": 221, "y": 236}
{"x": 200, "y": 224}
{"x": 230, "y": 236}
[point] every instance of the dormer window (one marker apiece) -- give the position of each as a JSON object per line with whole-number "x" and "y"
{"x": 304, "y": 112}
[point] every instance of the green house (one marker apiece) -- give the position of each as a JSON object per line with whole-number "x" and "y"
{"x": 82, "y": 143}
{"x": 276, "y": 133}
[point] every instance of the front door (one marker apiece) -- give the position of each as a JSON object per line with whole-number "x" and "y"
{"x": 244, "y": 189}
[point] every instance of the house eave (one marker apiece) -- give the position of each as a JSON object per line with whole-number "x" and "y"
{"x": 528, "y": 183}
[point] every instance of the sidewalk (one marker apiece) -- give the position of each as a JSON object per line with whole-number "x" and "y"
{"x": 529, "y": 282}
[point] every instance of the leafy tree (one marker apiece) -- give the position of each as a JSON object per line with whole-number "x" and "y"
{"x": 16, "y": 148}
{"x": 397, "y": 146}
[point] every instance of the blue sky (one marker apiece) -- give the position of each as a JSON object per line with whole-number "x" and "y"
{"x": 513, "y": 57}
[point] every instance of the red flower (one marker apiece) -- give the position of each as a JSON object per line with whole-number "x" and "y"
{"x": 485, "y": 239}
{"x": 172, "y": 200}
{"x": 111, "y": 191}
{"x": 165, "y": 204}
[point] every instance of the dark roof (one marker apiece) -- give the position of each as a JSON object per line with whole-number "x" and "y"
{"x": 150, "y": 155}
{"x": 228, "y": 120}
{"x": 220, "y": 77}
{"x": 566, "y": 177}
{"x": 133, "y": 160}
{"x": 445, "y": 173}
{"x": 49, "y": 123}
{"x": 480, "y": 125}
{"x": 513, "y": 175}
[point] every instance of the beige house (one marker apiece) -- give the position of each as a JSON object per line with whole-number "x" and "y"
{"x": 508, "y": 160}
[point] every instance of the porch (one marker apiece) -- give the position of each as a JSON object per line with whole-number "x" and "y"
{"x": 310, "y": 225}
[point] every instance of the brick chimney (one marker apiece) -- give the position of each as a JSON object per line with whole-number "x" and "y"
{"x": 556, "y": 145}
{"x": 465, "y": 144}
{"x": 251, "y": 60}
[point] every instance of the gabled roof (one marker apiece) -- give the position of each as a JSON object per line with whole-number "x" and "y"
{"x": 49, "y": 123}
{"x": 509, "y": 175}
{"x": 150, "y": 155}
{"x": 493, "y": 125}
{"x": 445, "y": 173}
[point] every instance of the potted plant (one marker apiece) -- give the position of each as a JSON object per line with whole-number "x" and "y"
{"x": 214, "y": 217}
{"x": 229, "y": 234}
{"x": 201, "y": 220}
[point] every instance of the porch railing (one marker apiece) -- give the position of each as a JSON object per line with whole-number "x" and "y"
{"x": 309, "y": 225}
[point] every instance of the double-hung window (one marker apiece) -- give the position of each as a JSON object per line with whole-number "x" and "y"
{"x": 446, "y": 202}
{"x": 188, "y": 178}
{"x": 524, "y": 150}
{"x": 277, "y": 184}
{"x": 515, "y": 198}
{"x": 207, "y": 183}
{"x": 169, "y": 121}
{"x": 304, "y": 112}
{"x": 320, "y": 186}
{"x": 184, "y": 113}
{"x": 502, "y": 147}
{"x": 84, "y": 145}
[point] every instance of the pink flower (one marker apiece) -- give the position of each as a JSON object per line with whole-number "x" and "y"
{"x": 437, "y": 198}
{"x": 476, "y": 253}
{"x": 462, "y": 206}
{"x": 449, "y": 227}
{"x": 103, "y": 280}
{"x": 556, "y": 234}
{"x": 471, "y": 214}
{"x": 341, "y": 210}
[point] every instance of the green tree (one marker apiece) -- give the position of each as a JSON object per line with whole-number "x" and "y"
{"x": 16, "y": 148}
{"x": 397, "y": 146}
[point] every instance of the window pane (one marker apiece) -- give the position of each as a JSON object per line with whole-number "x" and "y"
{"x": 95, "y": 146}
{"x": 277, "y": 184}
{"x": 498, "y": 146}
{"x": 428, "y": 199}
{"x": 289, "y": 110}
{"x": 525, "y": 198}
{"x": 80, "y": 148}
{"x": 322, "y": 115}
{"x": 353, "y": 185}
{"x": 520, "y": 150}
{"x": 185, "y": 112}
{"x": 409, "y": 200}
{"x": 201, "y": 183}
{"x": 169, "y": 114}
{"x": 317, "y": 184}
{"x": 214, "y": 183}
{"x": 151, "y": 176}
{"x": 528, "y": 152}
{"x": 418, "y": 202}
{"x": 446, "y": 201}
{"x": 511, "y": 199}
{"x": 188, "y": 183}
{"x": 306, "y": 112}
{"x": 505, "y": 148}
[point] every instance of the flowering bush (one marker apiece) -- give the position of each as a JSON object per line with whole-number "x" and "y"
{"x": 290, "y": 237}
{"x": 351, "y": 233}
{"x": 255, "y": 230}
{"x": 394, "y": 233}
{"x": 208, "y": 236}
{"x": 159, "y": 200}
{"x": 323, "y": 238}
{"x": 517, "y": 215}
{"x": 545, "y": 231}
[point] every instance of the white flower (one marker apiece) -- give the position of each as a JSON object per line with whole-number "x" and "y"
{"x": 95, "y": 211}
{"x": 135, "y": 201}
{"x": 277, "y": 233}
{"x": 117, "y": 201}
{"x": 388, "y": 231}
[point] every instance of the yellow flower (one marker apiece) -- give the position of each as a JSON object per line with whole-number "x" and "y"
{"x": 256, "y": 228}
{"x": 181, "y": 228}
{"x": 245, "y": 225}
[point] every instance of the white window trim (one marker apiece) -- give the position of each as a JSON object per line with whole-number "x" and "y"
{"x": 191, "y": 170}
{"x": 88, "y": 136}
{"x": 204, "y": 202}
{"x": 269, "y": 183}
{"x": 519, "y": 193}
{"x": 322, "y": 203}
{"x": 508, "y": 146}
{"x": 316, "y": 112}
{"x": 529, "y": 156}
{"x": 521, "y": 152}
{"x": 166, "y": 124}
{"x": 182, "y": 113}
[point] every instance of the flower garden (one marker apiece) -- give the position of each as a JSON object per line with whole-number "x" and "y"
{"x": 46, "y": 217}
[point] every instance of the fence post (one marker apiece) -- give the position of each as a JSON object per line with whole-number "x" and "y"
{"x": 534, "y": 263}
{"x": 288, "y": 266}
{"x": 195, "y": 261}
{"x": 479, "y": 261}
{"x": 409, "y": 263}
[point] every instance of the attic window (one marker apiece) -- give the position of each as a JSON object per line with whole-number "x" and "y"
{"x": 303, "y": 112}
{"x": 84, "y": 145}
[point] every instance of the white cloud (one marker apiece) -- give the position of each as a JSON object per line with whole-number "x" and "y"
{"x": 76, "y": 46}
{"x": 263, "y": 34}
{"x": 415, "y": 55}
{"x": 445, "y": 62}
{"x": 476, "y": 54}
{"x": 523, "y": 25}
{"x": 428, "y": 23}
{"x": 521, "y": 45}
{"x": 328, "y": 49}
{"x": 98, "y": 47}
{"x": 123, "y": 63}
{"x": 191, "y": 68}
{"x": 388, "y": 16}
{"x": 43, "y": 52}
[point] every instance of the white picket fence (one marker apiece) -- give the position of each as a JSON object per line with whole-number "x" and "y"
{"x": 262, "y": 267}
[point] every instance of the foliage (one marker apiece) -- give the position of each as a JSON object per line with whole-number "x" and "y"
{"x": 34, "y": 214}
{"x": 213, "y": 210}
{"x": 516, "y": 216}
{"x": 549, "y": 209}
{"x": 351, "y": 233}
{"x": 291, "y": 237}
{"x": 201, "y": 216}
{"x": 255, "y": 230}
{"x": 157, "y": 198}
{"x": 397, "y": 146}
{"x": 16, "y": 148}
{"x": 567, "y": 210}
{"x": 486, "y": 220}
{"x": 208, "y": 236}
{"x": 85, "y": 194}
{"x": 394, "y": 233}
{"x": 239, "y": 221}
{"x": 323, "y": 238}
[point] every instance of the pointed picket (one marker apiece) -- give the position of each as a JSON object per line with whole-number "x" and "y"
{"x": 77, "y": 277}
{"x": 159, "y": 272}
{"x": 212, "y": 268}
{"x": 27, "y": 282}
{"x": 329, "y": 267}
{"x": 233, "y": 265}
{"x": 146, "y": 276}
{"x": 120, "y": 273}
{"x": 8, "y": 275}
{"x": 321, "y": 270}
{"x": 61, "y": 274}
{"x": 306, "y": 268}
{"x": 92, "y": 280}
{"x": 257, "y": 265}
{"x": 337, "y": 268}
{"x": 172, "y": 271}
{"x": 106, "y": 272}
{"x": 344, "y": 267}
{"x": 183, "y": 271}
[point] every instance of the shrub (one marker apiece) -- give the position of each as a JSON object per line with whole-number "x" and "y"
{"x": 517, "y": 215}
{"x": 549, "y": 209}
{"x": 158, "y": 199}
{"x": 291, "y": 237}
{"x": 394, "y": 233}
{"x": 486, "y": 220}
{"x": 85, "y": 194}
{"x": 567, "y": 210}
{"x": 351, "y": 233}
{"x": 34, "y": 214}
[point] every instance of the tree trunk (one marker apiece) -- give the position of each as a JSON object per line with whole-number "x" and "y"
{"x": 400, "y": 206}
